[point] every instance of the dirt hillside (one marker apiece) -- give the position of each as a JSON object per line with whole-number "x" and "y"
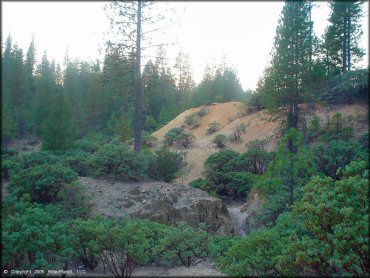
{"x": 231, "y": 114}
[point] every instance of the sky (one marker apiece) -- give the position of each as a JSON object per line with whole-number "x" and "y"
{"x": 242, "y": 32}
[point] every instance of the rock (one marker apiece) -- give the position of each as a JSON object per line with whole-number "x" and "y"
{"x": 162, "y": 202}
{"x": 252, "y": 209}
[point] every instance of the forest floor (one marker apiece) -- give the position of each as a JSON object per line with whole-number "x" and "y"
{"x": 231, "y": 114}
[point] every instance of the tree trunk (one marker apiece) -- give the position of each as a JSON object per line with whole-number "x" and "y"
{"x": 349, "y": 44}
{"x": 344, "y": 50}
{"x": 138, "y": 80}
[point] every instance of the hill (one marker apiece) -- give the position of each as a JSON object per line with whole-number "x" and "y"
{"x": 231, "y": 114}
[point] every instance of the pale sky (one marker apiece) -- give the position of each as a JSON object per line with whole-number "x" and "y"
{"x": 242, "y": 31}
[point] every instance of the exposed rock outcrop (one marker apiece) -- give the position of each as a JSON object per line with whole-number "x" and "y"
{"x": 159, "y": 201}
{"x": 252, "y": 209}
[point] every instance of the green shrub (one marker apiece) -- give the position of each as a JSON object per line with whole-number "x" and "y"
{"x": 39, "y": 158}
{"x": 9, "y": 166}
{"x": 335, "y": 216}
{"x": 42, "y": 182}
{"x": 78, "y": 160}
{"x": 34, "y": 238}
{"x": 239, "y": 184}
{"x": 9, "y": 152}
{"x": 150, "y": 141}
{"x": 213, "y": 127}
{"x": 235, "y": 137}
{"x": 179, "y": 136}
{"x": 91, "y": 143}
{"x": 166, "y": 164}
{"x": 218, "y": 246}
{"x": 203, "y": 112}
{"x": 220, "y": 140}
{"x": 192, "y": 121}
{"x": 183, "y": 244}
{"x": 314, "y": 129}
{"x": 118, "y": 161}
{"x": 173, "y": 135}
{"x": 204, "y": 185}
{"x": 216, "y": 162}
{"x": 329, "y": 157}
{"x": 253, "y": 161}
{"x": 364, "y": 140}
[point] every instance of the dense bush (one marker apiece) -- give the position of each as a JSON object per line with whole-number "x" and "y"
{"x": 253, "y": 161}
{"x": 203, "y": 112}
{"x": 237, "y": 132}
{"x": 213, "y": 127}
{"x": 216, "y": 162}
{"x": 329, "y": 157}
{"x": 118, "y": 161}
{"x": 204, "y": 185}
{"x": 192, "y": 121}
{"x": 150, "y": 141}
{"x": 179, "y": 137}
{"x": 78, "y": 160}
{"x": 34, "y": 238}
{"x": 220, "y": 140}
{"x": 239, "y": 184}
{"x": 166, "y": 164}
{"x": 41, "y": 182}
{"x": 183, "y": 244}
{"x": 335, "y": 215}
{"x": 91, "y": 143}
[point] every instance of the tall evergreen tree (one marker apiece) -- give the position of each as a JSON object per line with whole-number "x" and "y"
{"x": 59, "y": 129}
{"x": 342, "y": 36}
{"x": 285, "y": 85}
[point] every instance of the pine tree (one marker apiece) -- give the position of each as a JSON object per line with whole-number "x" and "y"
{"x": 342, "y": 36}
{"x": 59, "y": 129}
{"x": 285, "y": 84}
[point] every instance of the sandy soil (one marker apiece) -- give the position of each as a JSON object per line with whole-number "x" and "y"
{"x": 230, "y": 114}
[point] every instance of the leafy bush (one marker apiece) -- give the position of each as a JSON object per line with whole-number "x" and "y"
{"x": 91, "y": 143}
{"x": 78, "y": 160}
{"x": 213, "y": 127}
{"x": 41, "y": 182}
{"x": 237, "y": 132}
{"x": 314, "y": 129}
{"x": 192, "y": 121}
{"x": 9, "y": 166}
{"x": 364, "y": 140}
{"x": 34, "y": 238}
{"x": 204, "y": 185}
{"x": 166, "y": 164}
{"x": 329, "y": 157}
{"x": 179, "y": 136}
{"x": 173, "y": 135}
{"x": 216, "y": 162}
{"x": 39, "y": 158}
{"x": 335, "y": 215}
{"x": 239, "y": 184}
{"x": 118, "y": 161}
{"x": 220, "y": 140}
{"x": 150, "y": 141}
{"x": 203, "y": 112}
{"x": 183, "y": 244}
{"x": 253, "y": 161}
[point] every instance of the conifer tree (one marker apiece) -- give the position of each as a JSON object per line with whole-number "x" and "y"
{"x": 342, "y": 36}
{"x": 285, "y": 84}
{"x": 59, "y": 129}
